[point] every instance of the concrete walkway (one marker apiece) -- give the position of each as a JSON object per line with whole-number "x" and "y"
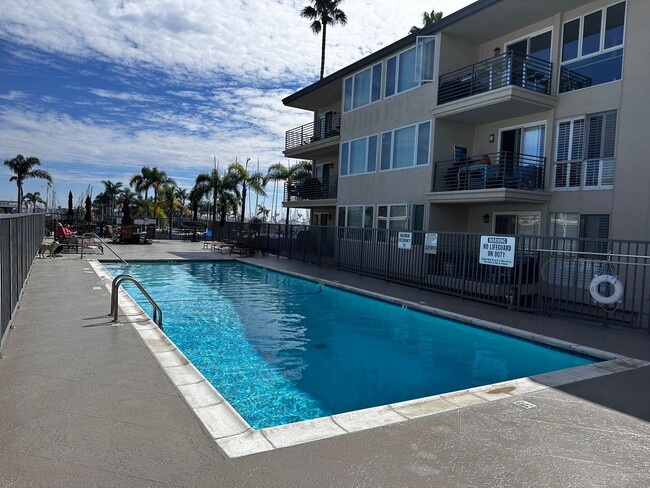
{"x": 84, "y": 403}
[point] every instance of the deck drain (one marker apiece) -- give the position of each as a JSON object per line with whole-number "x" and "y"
{"x": 97, "y": 287}
{"x": 525, "y": 404}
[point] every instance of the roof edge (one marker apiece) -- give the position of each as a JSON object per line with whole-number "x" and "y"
{"x": 434, "y": 28}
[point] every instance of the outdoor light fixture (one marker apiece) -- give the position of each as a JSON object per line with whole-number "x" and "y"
{"x": 497, "y": 51}
{"x": 491, "y": 138}
{"x": 486, "y": 219}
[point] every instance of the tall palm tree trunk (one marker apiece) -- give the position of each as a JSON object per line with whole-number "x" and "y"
{"x": 322, "y": 57}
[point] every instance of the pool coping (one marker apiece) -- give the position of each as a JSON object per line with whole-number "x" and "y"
{"x": 236, "y": 438}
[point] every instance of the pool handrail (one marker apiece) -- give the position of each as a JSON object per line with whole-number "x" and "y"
{"x": 92, "y": 235}
{"x": 117, "y": 281}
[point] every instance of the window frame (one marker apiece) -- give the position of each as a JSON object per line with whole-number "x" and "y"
{"x": 349, "y": 106}
{"x": 585, "y": 165}
{"x": 517, "y": 215}
{"x": 601, "y": 43}
{"x": 415, "y": 150}
{"x": 603, "y": 51}
{"x": 345, "y": 152}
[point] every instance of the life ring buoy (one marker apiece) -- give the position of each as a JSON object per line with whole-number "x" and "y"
{"x": 612, "y": 280}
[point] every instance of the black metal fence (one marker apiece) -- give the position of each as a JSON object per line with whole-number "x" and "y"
{"x": 507, "y": 69}
{"x": 601, "y": 280}
{"x": 20, "y": 237}
{"x": 504, "y": 169}
{"x": 325, "y": 127}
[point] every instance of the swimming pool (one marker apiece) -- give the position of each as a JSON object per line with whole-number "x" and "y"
{"x": 282, "y": 349}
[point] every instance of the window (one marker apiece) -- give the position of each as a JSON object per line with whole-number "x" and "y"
{"x": 425, "y": 50}
{"x": 522, "y": 223}
{"x": 355, "y": 219}
{"x": 580, "y": 234}
{"x": 569, "y": 149}
{"x": 592, "y": 52}
{"x": 359, "y": 156}
{"x": 585, "y": 152}
{"x": 363, "y": 88}
{"x": 405, "y": 147}
{"x": 591, "y": 228}
{"x": 400, "y": 217}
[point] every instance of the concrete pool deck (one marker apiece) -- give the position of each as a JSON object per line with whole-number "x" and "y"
{"x": 84, "y": 403}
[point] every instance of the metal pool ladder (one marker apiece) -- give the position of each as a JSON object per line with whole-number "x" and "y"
{"x": 157, "y": 312}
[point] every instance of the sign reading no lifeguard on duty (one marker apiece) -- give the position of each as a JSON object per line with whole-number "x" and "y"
{"x": 497, "y": 251}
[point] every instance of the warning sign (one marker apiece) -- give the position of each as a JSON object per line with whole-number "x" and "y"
{"x": 404, "y": 240}
{"x": 497, "y": 251}
{"x": 430, "y": 243}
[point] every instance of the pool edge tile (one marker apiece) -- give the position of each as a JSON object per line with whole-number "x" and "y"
{"x": 244, "y": 444}
{"x": 368, "y": 418}
{"x": 422, "y": 407}
{"x": 301, "y": 432}
{"x": 462, "y": 398}
{"x": 201, "y": 394}
{"x": 221, "y": 420}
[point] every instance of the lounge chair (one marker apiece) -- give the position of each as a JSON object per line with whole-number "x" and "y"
{"x": 69, "y": 243}
{"x": 250, "y": 248}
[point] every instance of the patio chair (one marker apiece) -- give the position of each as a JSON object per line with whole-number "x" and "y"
{"x": 128, "y": 234}
{"x": 250, "y": 248}
{"x": 150, "y": 233}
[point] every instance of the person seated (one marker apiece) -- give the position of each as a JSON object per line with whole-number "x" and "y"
{"x": 61, "y": 232}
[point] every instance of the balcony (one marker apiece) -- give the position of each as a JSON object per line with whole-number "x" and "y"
{"x": 496, "y": 177}
{"x": 505, "y": 86}
{"x": 312, "y": 189}
{"x": 301, "y": 141}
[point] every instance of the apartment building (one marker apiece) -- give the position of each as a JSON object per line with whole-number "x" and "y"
{"x": 506, "y": 117}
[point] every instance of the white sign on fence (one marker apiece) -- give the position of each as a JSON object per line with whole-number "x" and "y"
{"x": 404, "y": 240}
{"x": 497, "y": 251}
{"x": 430, "y": 243}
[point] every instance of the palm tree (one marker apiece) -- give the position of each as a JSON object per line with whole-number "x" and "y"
{"x": 33, "y": 198}
{"x": 169, "y": 202}
{"x": 213, "y": 183}
{"x": 23, "y": 169}
{"x": 323, "y": 13}
{"x": 158, "y": 178}
{"x": 142, "y": 181}
{"x": 195, "y": 196}
{"x": 254, "y": 181}
{"x": 263, "y": 212}
{"x": 279, "y": 172}
{"x": 428, "y": 18}
{"x": 111, "y": 191}
{"x": 181, "y": 195}
{"x": 226, "y": 203}
{"x": 101, "y": 202}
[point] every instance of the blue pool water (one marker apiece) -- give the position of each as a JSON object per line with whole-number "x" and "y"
{"x": 282, "y": 349}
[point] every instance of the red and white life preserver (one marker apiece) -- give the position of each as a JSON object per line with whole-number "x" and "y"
{"x": 606, "y": 300}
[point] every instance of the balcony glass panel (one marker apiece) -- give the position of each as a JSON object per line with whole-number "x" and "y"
{"x": 592, "y": 71}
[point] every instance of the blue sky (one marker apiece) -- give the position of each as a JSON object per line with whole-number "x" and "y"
{"x": 97, "y": 89}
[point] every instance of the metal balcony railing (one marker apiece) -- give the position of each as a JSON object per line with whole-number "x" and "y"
{"x": 311, "y": 189}
{"x": 325, "y": 128}
{"x": 504, "y": 169}
{"x": 507, "y": 69}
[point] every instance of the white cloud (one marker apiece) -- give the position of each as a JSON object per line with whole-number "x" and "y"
{"x": 231, "y": 60}
{"x": 12, "y": 95}
{"x": 248, "y": 40}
